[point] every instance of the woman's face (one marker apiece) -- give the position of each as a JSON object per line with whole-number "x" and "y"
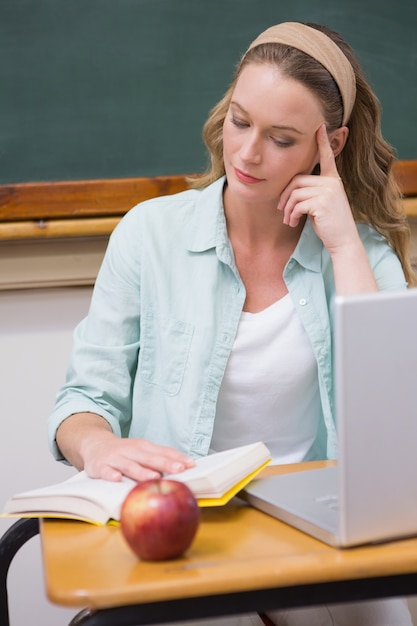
{"x": 269, "y": 134}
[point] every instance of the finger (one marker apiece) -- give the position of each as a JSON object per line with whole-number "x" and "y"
{"x": 297, "y": 182}
{"x": 137, "y": 472}
{"x": 159, "y": 463}
{"x": 172, "y": 455}
{"x": 110, "y": 473}
{"x": 301, "y": 208}
{"x": 298, "y": 196}
{"x": 106, "y": 472}
{"x": 326, "y": 156}
{"x": 121, "y": 465}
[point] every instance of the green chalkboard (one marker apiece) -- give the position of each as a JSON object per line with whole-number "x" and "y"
{"x": 120, "y": 88}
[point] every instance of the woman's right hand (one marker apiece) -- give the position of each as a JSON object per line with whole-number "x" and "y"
{"x": 88, "y": 443}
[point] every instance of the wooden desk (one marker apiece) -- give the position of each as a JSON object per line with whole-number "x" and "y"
{"x": 241, "y": 561}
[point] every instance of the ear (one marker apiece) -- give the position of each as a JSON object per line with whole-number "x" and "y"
{"x": 338, "y": 139}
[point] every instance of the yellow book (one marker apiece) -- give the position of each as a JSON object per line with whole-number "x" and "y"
{"x": 214, "y": 480}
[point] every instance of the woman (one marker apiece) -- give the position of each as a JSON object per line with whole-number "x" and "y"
{"x": 210, "y": 322}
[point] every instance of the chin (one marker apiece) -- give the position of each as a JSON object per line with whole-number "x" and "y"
{"x": 256, "y": 194}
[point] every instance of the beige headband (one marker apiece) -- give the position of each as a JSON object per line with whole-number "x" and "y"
{"x": 319, "y": 46}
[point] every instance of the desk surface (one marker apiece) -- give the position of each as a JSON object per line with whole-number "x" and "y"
{"x": 236, "y": 549}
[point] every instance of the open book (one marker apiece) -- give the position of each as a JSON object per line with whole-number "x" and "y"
{"x": 214, "y": 480}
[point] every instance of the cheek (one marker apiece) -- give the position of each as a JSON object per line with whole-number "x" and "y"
{"x": 288, "y": 164}
{"x": 228, "y": 138}
{"x": 311, "y": 156}
{"x": 303, "y": 161}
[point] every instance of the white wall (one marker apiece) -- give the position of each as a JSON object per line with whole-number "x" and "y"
{"x": 35, "y": 336}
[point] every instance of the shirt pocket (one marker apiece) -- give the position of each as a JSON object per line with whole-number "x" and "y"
{"x": 164, "y": 349}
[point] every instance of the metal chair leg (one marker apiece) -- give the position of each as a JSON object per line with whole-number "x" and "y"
{"x": 10, "y": 543}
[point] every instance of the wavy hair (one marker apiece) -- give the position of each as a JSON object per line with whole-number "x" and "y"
{"x": 365, "y": 163}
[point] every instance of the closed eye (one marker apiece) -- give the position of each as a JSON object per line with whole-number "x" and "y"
{"x": 282, "y": 143}
{"x": 238, "y": 122}
{"x": 241, "y": 123}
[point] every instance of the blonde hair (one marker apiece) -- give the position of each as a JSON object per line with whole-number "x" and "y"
{"x": 365, "y": 163}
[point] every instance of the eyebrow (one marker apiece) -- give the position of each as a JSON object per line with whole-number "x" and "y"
{"x": 278, "y": 127}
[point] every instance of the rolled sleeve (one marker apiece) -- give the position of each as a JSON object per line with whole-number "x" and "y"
{"x": 106, "y": 344}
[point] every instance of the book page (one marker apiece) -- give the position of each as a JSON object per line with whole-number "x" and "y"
{"x": 218, "y": 472}
{"x": 73, "y": 496}
{"x": 98, "y": 500}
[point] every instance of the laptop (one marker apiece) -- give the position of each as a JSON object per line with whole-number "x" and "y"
{"x": 371, "y": 493}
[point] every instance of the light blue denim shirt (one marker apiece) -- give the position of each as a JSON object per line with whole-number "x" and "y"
{"x": 151, "y": 354}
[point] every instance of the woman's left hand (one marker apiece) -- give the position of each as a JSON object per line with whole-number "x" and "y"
{"x": 323, "y": 199}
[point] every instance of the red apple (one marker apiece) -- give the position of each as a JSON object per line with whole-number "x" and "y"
{"x": 159, "y": 519}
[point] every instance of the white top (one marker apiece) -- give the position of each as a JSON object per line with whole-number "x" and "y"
{"x": 270, "y": 389}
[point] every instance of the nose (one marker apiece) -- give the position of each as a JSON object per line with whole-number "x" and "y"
{"x": 250, "y": 151}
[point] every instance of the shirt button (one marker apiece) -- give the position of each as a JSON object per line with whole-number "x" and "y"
{"x": 303, "y": 302}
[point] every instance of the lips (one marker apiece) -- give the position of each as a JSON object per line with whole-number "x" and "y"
{"x": 246, "y": 178}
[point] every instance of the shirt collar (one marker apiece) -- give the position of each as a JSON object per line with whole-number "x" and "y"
{"x": 308, "y": 251}
{"x": 208, "y": 230}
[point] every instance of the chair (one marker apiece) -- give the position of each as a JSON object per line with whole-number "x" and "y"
{"x": 10, "y": 543}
